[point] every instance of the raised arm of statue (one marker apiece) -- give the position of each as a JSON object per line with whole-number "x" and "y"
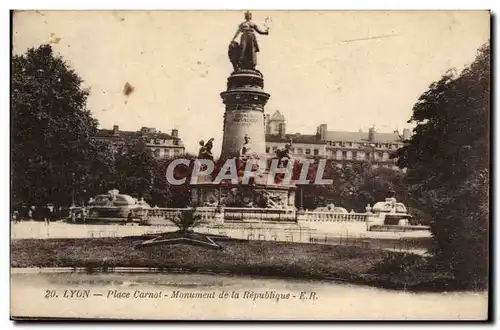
{"x": 259, "y": 31}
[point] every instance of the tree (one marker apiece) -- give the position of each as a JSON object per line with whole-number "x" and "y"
{"x": 134, "y": 168}
{"x": 51, "y": 129}
{"x": 354, "y": 186}
{"x": 98, "y": 166}
{"x": 448, "y": 167}
{"x": 166, "y": 194}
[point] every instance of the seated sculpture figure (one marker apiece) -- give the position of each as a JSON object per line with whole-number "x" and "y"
{"x": 205, "y": 151}
{"x": 284, "y": 153}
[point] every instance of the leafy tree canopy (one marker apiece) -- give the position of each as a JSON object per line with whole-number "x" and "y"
{"x": 448, "y": 167}
{"x": 51, "y": 127}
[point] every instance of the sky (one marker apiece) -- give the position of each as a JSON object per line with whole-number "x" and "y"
{"x": 347, "y": 69}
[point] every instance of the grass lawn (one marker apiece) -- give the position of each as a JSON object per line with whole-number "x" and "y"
{"x": 379, "y": 268}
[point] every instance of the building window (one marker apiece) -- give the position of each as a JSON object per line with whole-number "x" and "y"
{"x": 349, "y": 155}
{"x": 157, "y": 152}
{"x": 268, "y": 149}
{"x": 177, "y": 152}
{"x": 354, "y": 155}
{"x": 344, "y": 154}
{"x": 299, "y": 151}
{"x": 316, "y": 152}
{"x": 308, "y": 151}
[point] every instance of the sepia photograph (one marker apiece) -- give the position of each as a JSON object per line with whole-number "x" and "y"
{"x": 250, "y": 165}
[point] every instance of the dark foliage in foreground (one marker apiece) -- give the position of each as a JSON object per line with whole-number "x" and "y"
{"x": 448, "y": 168}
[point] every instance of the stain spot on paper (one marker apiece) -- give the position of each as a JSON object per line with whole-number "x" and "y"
{"x": 128, "y": 89}
{"x": 118, "y": 17}
{"x": 54, "y": 39}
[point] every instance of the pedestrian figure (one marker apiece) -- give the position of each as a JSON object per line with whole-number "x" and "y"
{"x": 15, "y": 216}
{"x": 130, "y": 217}
{"x": 46, "y": 215}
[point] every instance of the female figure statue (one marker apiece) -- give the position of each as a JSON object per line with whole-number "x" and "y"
{"x": 248, "y": 47}
{"x": 246, "y": 148}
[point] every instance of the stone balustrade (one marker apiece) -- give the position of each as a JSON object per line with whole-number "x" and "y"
{"x": 236, "y": 214}
{"x": 258, "y": 214}
{"x": 166, "y": 215}
{"x": 315, "y": 216}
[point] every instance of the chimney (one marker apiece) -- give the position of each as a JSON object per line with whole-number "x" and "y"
{"x": 175, "y": 133}
{"x": 371, "y": 134}
{"x": 406, "y": 134}
{"x": 116, "y": 129}
{"x": 322, "y": 131}
{"x": 282, "y": 130}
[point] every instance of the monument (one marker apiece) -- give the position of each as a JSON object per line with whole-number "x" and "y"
{"x": 244, "y": 131}
{"x": 244, "y": 98}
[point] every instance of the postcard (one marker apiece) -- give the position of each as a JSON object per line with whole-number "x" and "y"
{"x": 250, "y": 165}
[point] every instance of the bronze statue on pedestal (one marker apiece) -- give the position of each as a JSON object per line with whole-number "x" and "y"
{"x": 244, "y": 54}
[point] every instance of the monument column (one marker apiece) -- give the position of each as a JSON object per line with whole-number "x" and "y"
{"x": 244, "y": 114}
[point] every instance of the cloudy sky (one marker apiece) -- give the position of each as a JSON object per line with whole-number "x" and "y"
{"x": 350, "y": 70}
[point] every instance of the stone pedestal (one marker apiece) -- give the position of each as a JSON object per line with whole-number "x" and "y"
{"x": 262, "y": 199}
{"x": 250, "y": 196}
{"x": 244, "y": 115}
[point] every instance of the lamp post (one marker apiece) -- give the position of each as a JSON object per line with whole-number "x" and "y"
{"x": 73, "y": 189}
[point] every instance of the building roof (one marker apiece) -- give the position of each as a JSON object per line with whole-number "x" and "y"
{"x": 296, "y": 138}
{"x": 108, "y": 133}
{"x": 277, "y": 116}
{"x": 338, "y": 136}
{"x": 361, "y": 137}
{"x": 388, "y": 137}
